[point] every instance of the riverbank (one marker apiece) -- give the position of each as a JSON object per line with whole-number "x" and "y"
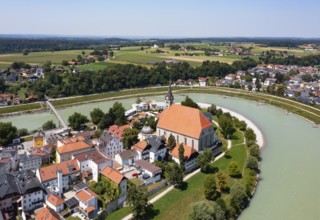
{"x": 250, "y": 124}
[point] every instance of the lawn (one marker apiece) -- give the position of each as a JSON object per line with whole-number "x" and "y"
{"x": 95, "y": 66}
{"x": 119, "y": 214}
{"x": 17, "y": 108}
{"x": 55, "y": 57}
{"x": 237, "y": 138}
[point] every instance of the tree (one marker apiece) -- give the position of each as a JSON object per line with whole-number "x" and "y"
{"x": 233, "y": 169}
{"x": 190, "y": 103}
{"x": 174, "y": 174}
{"x": 48, "y": 125}
{"x": 77, "y": 120}
{"x": 138, "y": 101}
{"x": 204, "y": 159}
{"x": 226, "y": 126}
{"x": 7, "y": 133}
{"x": 22, "y": 132}
{"x": 138, "y": 200}
{"x": 222, "y": 181}
{"x": 252, "y": 163}
{"x": 181, "y": 156}
{"x": 171, "y": 142}
{"x": 212, "y": 109}
{"x": 96, "y": 115}
{"x": 238, "y": 198}
{"x": 106, "y": 121}
{"x": 210, "y": 187}
{"x": 118, "y": 112}
{"x": 255, "y": 151}
{"x": 202, "y": 211}
{"x": 53, "y": 154}
{"x": 250, "y": 136}
{"x": 64, "y": 63}
{"x": 130, "y": 137}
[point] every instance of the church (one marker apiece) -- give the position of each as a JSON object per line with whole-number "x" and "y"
{"x": 188, "y": 125}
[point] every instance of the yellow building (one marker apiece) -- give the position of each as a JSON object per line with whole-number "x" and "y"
{"x": 66, "y": 152}
{"x": 39, "y": 139}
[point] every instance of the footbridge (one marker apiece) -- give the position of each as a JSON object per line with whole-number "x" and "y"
{"x": 54, "y": 111}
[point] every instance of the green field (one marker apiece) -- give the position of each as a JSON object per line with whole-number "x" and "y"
{"x": 55, "y": 57}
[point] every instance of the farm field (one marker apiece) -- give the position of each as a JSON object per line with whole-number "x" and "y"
{"x": 39, "y": 58}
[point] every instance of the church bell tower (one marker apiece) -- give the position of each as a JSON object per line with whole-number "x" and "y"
{"x": 169, "y": 97}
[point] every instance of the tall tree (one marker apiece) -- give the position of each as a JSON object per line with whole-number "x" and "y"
{"x": 204, "y": 159}
{"x": 138, "y": 200}
{"x": 233, "y": 169}
{"x": 181, "y": 156}
{"x": 96, "y": 115}
{"x": 174, "y": 174}
{"x": 202, "y": 211}
{"x": 226, "y": 126}
{"x": 77, "y": 120}
{"x": 171, "y": 142}
{"x": 190, "y": 103}
{"x": 222, "y": 181}
{"x": 130, "y": 137}
{"x": 238, "y": 197}
{"x": 106, "y": 121}
{"x": 49, "y": 125}
{"x": 7, "y": 133}
{"x": 210, "y": 187}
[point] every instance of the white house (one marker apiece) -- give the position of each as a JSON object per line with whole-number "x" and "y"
{"x": 29, "y": 162}
{"x": 88, "y": 201}
{"x": 60, "y": 175}
{"x": 55, "y": 203}
{"x": 202, "y": 81}
{"x": 190, "y": 157}
{"x": 149, "y": 172}
{"x": 92, "y": 162}
{"x": 109, "y": 145}
{"x": 127, "y": 157}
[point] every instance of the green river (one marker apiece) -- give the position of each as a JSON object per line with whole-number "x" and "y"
{"x": 289, "y": 171}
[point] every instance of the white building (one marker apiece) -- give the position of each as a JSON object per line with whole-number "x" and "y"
{"x": 189, "y": 126}
{"x": 55, "y": 203}
{"x": 88, "y": 201}
{"x": 202, "y": 81}
{"x": 190, "y": 157}
{"x": 109, "y": 145}
{"x": 60, "y": 175}
{"x": 92, "y": 163}
{"x": 9, "y": 160}
{"x": 149, "y": 172}
{"x": 29, "y": 162}
{"x": 127, "y": 157}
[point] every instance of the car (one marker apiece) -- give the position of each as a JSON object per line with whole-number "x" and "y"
{"x": 135, "y": 174}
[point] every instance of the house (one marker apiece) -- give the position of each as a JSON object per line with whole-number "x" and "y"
{"x": 20, "y": 190}
{"x": 269, "y": 81}
{"x": 39, "y": 139}
{"x": 9, "y": 160}
{"x": 117, "y": 131}
{"x": 158, "y": 148}
{"x": 55, "y": 203}
{"x": 60, "y": 175}
{"x": 120, "y": 181}
{"x": 46, "y": 214}
{"x": 202, "y": 81}
{"x": 92, "y": 163}
{"x": 43, "y": 152}
{"x": 127, "y": 157}
{"x": 109, "y": 145}
{"x": 88, "y": 202}
{"x": 149, "y": 172}
{"x": 70, "y": 140}
{"x": 143, "y": 149}
{"x": 29, "y": 162}
{"x": 66, "y": 152}
{"x": 190, "y": 157}
{"x": 197, "y": 133}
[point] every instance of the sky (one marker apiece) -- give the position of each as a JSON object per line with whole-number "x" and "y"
{"x": 162, "y": 18}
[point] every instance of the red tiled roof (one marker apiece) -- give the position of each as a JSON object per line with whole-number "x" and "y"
{"x": 46, "y": 214}
{"x": 55, "y": 200}
{"x": 140, "y": 146}
{"x": 183, "y": 120}
{"x": 67, "y": 167}
{"x": 117, "y": 131}
{"x": 73, "y": 147}
{"x": 86, "y": 194}
{"x": 188, "y": 151}
{"x": 112, "y": 174}
{"x": 90, "y": 209}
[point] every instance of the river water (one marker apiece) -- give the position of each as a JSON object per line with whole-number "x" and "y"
{"x": 289, "y": 170}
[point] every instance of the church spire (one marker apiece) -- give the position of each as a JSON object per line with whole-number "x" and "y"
{"x": 169, "y": 97}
